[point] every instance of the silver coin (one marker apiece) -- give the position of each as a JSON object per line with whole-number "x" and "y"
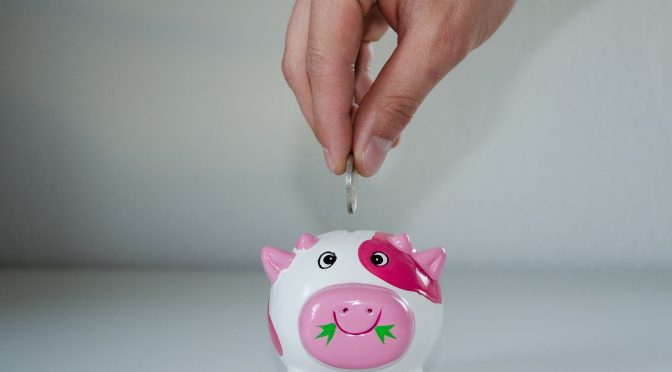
{"x": 350, "y": 185}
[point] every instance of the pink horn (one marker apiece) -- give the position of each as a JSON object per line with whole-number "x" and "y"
{"x": 432, "y": 261}
{"x": 402, "y": 242}
{"x": 274, "y": 261}
{"x": 306, "y": 241}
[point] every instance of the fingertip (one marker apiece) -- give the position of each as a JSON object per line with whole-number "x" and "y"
{"x": 328, "y": 160}
{"x": 339, "y": 168}
{"x": 372, "y": 157}
{"x": 396, "y": 142}
{"x": 335, "y": 161}
{"x": 360, "y": 168}
{"x": 335, "y": 137}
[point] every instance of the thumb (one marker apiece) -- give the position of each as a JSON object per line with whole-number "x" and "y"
{"x": 418, "y": 63}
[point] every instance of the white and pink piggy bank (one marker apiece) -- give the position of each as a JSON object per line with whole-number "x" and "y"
{"x": 359, "y": 300}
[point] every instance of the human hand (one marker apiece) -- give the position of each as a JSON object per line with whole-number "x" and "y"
{"x": 327, "y": 57}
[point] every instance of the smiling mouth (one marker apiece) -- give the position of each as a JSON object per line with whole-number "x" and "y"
{"x": 358, "y": 333}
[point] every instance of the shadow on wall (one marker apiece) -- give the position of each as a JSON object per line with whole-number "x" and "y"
{"x": 112, "y": 148}
{"x": 465, "y": 109}
{"x": 36, "y": 163}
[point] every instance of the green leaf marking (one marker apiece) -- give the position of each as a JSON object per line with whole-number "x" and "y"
{"x": 328, "y": 331}
{"x": 383, "y": 331}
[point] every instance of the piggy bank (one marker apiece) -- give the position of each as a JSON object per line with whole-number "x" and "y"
{"x": 359, "y": 300}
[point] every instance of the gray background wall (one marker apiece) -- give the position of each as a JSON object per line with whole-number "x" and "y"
{"x": 161, "y": 133}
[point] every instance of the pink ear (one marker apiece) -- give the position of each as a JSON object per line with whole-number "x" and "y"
{"x": 402, "y": 242}
{"x": 432, "y": 261}
{"x": 306, "y": 241}
{"x": 274, "y": 261}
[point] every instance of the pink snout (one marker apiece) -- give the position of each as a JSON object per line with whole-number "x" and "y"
{"x": 356, "y": 326}
{"x": 357, "y": 317}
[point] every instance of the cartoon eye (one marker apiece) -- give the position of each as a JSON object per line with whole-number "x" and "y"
{"x": 379, "y": 259}
{"x": 326, "y": 260}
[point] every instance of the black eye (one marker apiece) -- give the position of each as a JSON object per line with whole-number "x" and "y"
{"x": 379, "y": 259}
{"x": 326, "y": 260}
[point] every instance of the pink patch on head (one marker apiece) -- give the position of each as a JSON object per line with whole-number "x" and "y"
{"x": 306, "y": 241}
{"x": 274, "y": 261}
{"x": 400, "y": 269}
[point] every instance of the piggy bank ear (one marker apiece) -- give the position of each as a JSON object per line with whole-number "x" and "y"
{"x": 306, "y": 241}
{"x": 432, "y": 261}
{"x": 274, "y": 261}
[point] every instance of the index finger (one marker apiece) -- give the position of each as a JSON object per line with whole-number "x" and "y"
{"x": 334, "y": 37}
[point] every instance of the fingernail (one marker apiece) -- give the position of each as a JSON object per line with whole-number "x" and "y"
{"x": 328, "y": 160}
{"x": 374, "y": 155}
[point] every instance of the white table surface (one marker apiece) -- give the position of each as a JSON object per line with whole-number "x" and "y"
{"x": 215, "y": 321}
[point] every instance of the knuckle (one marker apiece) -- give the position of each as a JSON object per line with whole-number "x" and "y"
{"x": 454, "y": 45}
{"x": 435, "y": 71}
{"x": 448, "y": 49}
{"x": 454, "y": 38}
{"x": 316, "y": 61}
{"x": 323, "y": 68}
{"x": 290, "y": 68}
{"x": 458, "y": 49}
{"x": 397, "y": 111}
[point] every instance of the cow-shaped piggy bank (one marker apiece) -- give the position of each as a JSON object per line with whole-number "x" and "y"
{"x": 359, "y": 300}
